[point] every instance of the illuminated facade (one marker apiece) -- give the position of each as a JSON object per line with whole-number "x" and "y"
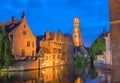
{"x": 23, "y": 42}
{"x": 60, "y": 48}
{"x": 77, "y": 33}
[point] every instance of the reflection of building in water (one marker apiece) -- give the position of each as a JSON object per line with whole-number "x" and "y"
{"x": 59, "y": 74}
{"x": 78, "y": 80}
{"x": 104, "y": 75}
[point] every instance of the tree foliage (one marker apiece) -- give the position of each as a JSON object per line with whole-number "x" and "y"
{"x": 5, "y": 51}
{"x": 80, "y": 63}
{"x": 99, "y": 45}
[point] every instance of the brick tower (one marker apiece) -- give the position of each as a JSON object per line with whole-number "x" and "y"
{"x": 76, "y": 33}
{"x": 115, "y": 39}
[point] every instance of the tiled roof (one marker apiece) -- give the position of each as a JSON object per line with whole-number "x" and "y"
{"x": 11, "y": 25}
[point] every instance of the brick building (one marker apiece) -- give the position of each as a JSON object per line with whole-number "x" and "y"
{"x": 115, "y": 39}
{"x": 23, "y": 42}
{"x": 60, "y": 48}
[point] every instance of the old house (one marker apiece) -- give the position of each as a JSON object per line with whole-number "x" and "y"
{"x": 60, "y": 47}
{"x": 23, "y": 42}
{"x": 53, "y": 43}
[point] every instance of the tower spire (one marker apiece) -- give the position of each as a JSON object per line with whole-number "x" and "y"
{"x": 23, "y": 14}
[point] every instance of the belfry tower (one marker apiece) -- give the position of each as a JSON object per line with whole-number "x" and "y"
{"x": 76, "y": 32}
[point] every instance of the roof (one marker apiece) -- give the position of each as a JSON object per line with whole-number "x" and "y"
{"x": 11, "y": 25}
{"x": 44, "y": 50}
{"x": 52, "y": 35}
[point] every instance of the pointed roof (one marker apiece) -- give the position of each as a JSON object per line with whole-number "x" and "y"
{"x": 11, "y": 25}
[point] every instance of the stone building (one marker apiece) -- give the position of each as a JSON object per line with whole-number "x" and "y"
{"x": 60, "y": 47}
{"x": 52, "y": 42}
{"x": 23, "y": 42}
{"x": 77, "y": 33}
{"x": 115, "y": 39}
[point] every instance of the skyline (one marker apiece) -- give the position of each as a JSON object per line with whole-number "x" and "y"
{"x": 53, "y": 15}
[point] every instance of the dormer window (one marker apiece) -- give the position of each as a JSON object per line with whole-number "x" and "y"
{"x": 24, "y": 32}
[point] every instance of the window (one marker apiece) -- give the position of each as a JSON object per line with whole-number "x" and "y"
{"x": 58, "y": 57}
{"x": 59, "y": 50}
{"x": 46, "y": 57}
{"x": 28, "y": 43}
{"x": 33, "y": 52}
{"x": 53, "y": 56}
{"x": 32, "y": 44}
{"x": 24, "y": 32}
{"x": 54, "y": 50}
{"x": 75, "y": 36}
{"x": 23, "y": 53}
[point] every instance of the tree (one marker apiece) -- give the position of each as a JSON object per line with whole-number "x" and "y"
{"x": 5, "y": 51}
{"x": 99, "y": 45}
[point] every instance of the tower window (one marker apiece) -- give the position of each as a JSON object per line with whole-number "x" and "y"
{"x": 28, "y": 43}
{"x": 75, "y": 36}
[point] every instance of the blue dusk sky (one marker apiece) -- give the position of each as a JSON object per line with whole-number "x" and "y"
{"x": 52, "y": 15}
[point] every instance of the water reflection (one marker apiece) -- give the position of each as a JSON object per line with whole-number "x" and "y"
{"x": 60, "y": 74}
{"x": 99, "y": 75}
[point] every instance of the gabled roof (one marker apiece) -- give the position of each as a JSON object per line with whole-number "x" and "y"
{"x": 11, "y": 25}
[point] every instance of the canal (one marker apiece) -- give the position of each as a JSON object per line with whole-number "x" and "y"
{"x": 59, "y": 74}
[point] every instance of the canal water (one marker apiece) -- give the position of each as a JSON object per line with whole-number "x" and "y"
{"x": 59, "y": 74}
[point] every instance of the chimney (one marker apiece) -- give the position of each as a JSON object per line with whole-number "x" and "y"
{"x": 12, "y": 19}
{"x": 47, "y": 34}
